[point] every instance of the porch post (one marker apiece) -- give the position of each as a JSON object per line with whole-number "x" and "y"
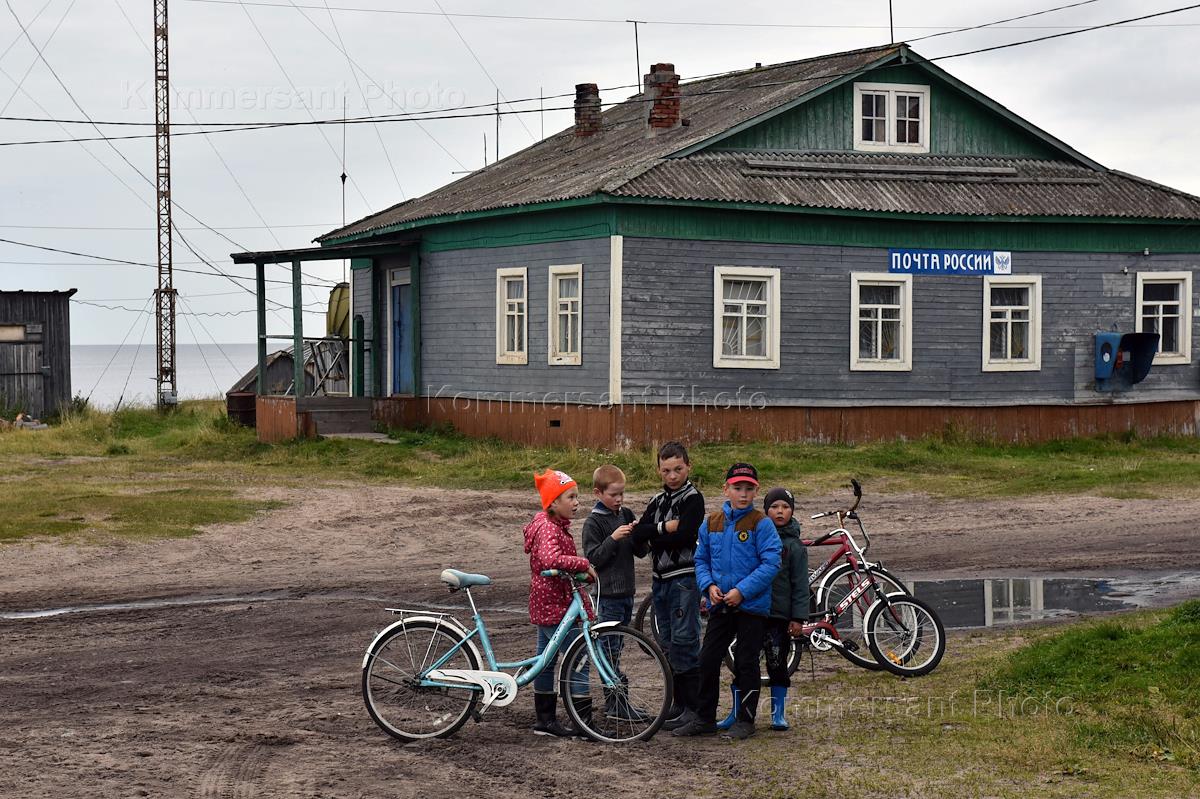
{"x": 297, "y": 332}
{"x": 261, "y": 311}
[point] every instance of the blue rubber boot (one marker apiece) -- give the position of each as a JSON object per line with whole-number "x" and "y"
{"x": 778, "y": 706}
{"x": 728, "y": 721}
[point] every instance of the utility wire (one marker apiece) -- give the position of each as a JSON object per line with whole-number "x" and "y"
{"x": 300, "y": 97}
{"x": 492, "y": 80}
{"x": 1000, "y": 22}
{"x": 203, "y": 357}
{"x": 18, "y": 37}
{"x": 127, "y": 309}
{"x": 33, "y": 63}
{"x": 136, "y": 354}
{"x": 366, "y": 103}
{"x": 639, "y": 99}
{"x": 104, "y": 371}
{"x": 220, "y": 349}
{"x": 123, "y": 261}
{"x": 592, "y": 20}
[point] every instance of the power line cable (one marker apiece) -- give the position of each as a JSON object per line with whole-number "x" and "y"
{"x": 1001, "y": 21}
{"x": 220, "y": 349}
{"x": 136, "y": 354}
{"x": 104, "y": 371}
{"x": 366, "y": 103}
{"x": 300, "y": 97}
{"x": 471, "y": 50}
{"x": 203, "y": 357}
{"x": 33, "y": 63}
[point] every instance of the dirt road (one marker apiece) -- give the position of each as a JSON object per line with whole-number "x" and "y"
{"x": 261, "y": 698}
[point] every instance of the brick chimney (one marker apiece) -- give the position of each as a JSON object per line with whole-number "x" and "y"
{"x": 587, "y": 109}
{"x": 662, "y": 87}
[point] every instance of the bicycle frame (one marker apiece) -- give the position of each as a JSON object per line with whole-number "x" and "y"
{"x": 530, "y": 668}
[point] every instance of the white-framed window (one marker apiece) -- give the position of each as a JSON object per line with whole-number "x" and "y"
{"x": 1164, "y": 306}
{"x": 745, "y": 317}
{"x": 566, "y": 314}
{"x": 880, "y": 322}
{"x": 1012, "y": 323}
{"x": 512, "y": 316}
{"x": 891, "y": 117}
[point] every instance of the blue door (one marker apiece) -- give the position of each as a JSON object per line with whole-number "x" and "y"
{"x": 403, "y": 340}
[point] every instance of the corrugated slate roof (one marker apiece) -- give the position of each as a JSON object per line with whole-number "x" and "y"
{"x": 564, "y": 166}
{"x": 911, "y": 184}
{"x": 626, "y": 160}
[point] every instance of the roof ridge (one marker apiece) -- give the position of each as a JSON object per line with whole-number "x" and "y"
{"x": 783, "y": 64}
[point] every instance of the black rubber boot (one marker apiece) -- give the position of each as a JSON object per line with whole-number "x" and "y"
{"x": 678, "y": 706}
{"x": 583, "y": 706}
{"x": 687, "y": 695}
{"x": 546, "y": 708}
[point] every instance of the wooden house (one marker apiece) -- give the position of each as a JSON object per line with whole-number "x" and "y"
{"x": 851, "y": 247}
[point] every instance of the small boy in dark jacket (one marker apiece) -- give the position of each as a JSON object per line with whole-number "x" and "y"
{"x": 789, "y": 607}
{"x": 669, "y": 526}
{"x": 609, "y": 545}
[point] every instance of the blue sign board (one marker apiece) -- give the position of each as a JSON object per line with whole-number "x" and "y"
{"x": 950, "y": 262}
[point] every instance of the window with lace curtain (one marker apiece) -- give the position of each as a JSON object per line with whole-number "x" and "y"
{"x": 1012, "y": 323}
{"x": 1164, "y": 306}
{"x": 512, "y": 318}
{"x": 746, "y": 318}
{"x": 880, "y": 322}
{"x": 566, "y": 314}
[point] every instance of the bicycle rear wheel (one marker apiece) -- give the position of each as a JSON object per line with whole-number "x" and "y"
{"x": 793, "y": 660}
{"x": 634, "y": 706}
{"x": 391, "y": 687}
{"x": 905, "y": 635}
{"x": 851, "y": 623}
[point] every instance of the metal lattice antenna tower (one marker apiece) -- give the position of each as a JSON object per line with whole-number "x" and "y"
{"x": 164, "y": 295}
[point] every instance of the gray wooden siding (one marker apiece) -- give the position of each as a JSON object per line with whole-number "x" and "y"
{"x": 360, "y": 283}
{"x": 458, "y": 322}
{"x": 46, "y": 353}
{"x": 668, "y": 329}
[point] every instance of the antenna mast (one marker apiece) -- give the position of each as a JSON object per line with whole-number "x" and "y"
{"x": 164, "y": 295}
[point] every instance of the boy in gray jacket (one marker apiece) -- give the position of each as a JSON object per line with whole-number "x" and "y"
{"x": 608, "y": 543}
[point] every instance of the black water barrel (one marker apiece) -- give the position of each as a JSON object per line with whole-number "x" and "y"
{"x": 239, "y": 405}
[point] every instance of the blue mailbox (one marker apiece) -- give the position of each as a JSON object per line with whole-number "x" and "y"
{"x": 1123, "y": 359}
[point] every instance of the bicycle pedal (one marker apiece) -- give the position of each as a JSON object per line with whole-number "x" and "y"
{"x": 850, "y": 645}
{"x": 476, "y": 716}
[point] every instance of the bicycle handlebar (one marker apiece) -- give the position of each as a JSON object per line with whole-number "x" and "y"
{"x": 579, "y": 577}
{"x": 857, "y": 499}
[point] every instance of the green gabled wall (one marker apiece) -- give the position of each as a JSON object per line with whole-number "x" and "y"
{"x": 959, "y": 125}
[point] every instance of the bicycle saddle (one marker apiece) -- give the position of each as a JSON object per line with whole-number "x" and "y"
{"x": 456, "y": 579}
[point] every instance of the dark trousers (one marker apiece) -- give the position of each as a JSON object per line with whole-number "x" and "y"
{"x": 777, "y": 647}
{"x": 723, "y": 626}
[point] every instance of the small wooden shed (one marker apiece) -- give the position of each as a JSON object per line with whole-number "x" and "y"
{"x": 35, "y": 351}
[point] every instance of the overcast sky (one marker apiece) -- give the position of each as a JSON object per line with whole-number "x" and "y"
{"x": 1123, "y": 96}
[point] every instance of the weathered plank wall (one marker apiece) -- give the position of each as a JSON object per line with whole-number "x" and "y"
{"x": 667, "y": 359}
{"x": 24, "y": 385}
{"x": 277, "y": 420}
{"x": 643, "y": 425}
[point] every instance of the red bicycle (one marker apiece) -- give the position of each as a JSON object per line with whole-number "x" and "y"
{"x": 858, "y": 608}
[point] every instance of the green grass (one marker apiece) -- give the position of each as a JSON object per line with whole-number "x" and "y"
{"x": 1095, "y": 708}
{"x": 197, "y": 445}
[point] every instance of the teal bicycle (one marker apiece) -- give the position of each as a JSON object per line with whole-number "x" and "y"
{"x": 424, "y": 676}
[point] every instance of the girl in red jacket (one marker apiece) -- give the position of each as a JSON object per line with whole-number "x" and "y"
{"x": 550, "y": 546}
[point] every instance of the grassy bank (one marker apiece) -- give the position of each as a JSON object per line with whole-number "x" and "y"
{"x": 1098, "y": 709}
{"x": 82, "y": 464}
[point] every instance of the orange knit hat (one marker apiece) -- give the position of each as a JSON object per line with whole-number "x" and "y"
{"x": 551, "y": 484}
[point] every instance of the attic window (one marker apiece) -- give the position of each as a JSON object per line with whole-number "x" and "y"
{"x": 891, "y": 117}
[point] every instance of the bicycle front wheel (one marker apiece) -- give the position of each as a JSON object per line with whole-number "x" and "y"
{"x": 905, "y": 635}
{"x": 851, "y": 621}
{"x": 391, "y": 679}
{"x": 632, "y": 703}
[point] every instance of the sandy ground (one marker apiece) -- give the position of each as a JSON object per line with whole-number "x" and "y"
{"x": 261, "y": 698}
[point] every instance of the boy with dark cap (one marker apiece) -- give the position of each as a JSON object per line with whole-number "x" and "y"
{"x": 669, "y": 526}
{"x": 789, "y": 607}
{"x": 737, "y": 557}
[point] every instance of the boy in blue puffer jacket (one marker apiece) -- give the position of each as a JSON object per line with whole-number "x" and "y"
{"x": 737, "y": 556}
